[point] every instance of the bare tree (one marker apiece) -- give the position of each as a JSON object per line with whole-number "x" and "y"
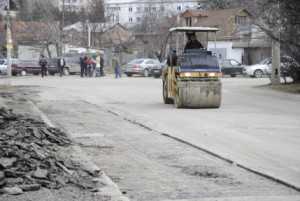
{"x": 42, "y": 23}
{"x": 153, "y": 28}
{"x": 280, "y": 20}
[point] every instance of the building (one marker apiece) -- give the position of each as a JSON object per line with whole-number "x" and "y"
{"x": 238, "y": 37}
{"x": 72, "y": 5}
{"x": 131, "y": 12}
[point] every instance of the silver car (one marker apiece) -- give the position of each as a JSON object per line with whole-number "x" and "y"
{"x": 141, "y": 67}
{"x": 259, "y": 70}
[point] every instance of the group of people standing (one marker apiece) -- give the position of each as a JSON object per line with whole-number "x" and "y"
{"x": 43, "y": 63}
{"x": 90, "y": 67}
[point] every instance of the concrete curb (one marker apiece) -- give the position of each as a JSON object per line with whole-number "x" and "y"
{"x": 105, "y": 187}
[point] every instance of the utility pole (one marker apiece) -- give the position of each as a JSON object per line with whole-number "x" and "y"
{"x": 9, "y": 42}
{"x": 62, "y": 25}
{"x": 276, "y": 63}
{"x": 89, "y": 35}
{"x": 275, "y": 77}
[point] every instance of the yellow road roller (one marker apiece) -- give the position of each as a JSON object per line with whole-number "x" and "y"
{"x": 191, "y": 78}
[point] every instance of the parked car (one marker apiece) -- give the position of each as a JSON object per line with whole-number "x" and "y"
{"x": 72, "y": 64}
{"x": 141, "y": 67}
{"x": 157, "y": 71}
{"x": 3, "y": 65}
{"x": 24, "y": 67}
{"x": 289, "y": 67}
{"x": 231, "y": 67}
{"x": 259, "y": 70}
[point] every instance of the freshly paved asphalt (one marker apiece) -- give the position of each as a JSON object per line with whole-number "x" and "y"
{"x": 255, "y": 127}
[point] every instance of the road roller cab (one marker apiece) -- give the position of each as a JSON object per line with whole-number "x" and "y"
{"x": 192, "y": 76}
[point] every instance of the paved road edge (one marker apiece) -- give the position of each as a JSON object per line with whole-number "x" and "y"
{"x": 106, "y": 187}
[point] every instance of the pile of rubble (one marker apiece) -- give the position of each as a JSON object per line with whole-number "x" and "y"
{"x": 29, "y": 156}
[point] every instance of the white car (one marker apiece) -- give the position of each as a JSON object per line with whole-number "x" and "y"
{"x": 259, "y": 70}
{"x": 3, "y": 66}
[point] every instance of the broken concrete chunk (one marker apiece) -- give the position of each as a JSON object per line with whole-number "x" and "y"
{"x": 30, "y": 187}
{"x": 2, "y": 183}
{"x": 29, "y": 155}
{"x": 7, "y": 162}
{"x": 40, "y": 174}
{"x": 12, "y": 190}
{"x": 2, "y": 176}
{"x": 14, "y": 181}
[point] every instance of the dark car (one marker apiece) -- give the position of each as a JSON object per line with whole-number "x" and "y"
{"x": 24, "y": 67}
{"x": 157, "y": 70}
{"x": 231, "y": 67}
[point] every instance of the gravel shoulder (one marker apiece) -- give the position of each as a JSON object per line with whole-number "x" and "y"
{"x": 55, "y": 180}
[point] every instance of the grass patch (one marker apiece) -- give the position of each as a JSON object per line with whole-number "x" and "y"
{"x": 289, "y": 88}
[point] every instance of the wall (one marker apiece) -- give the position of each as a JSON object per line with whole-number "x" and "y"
{"x": 170, "y": 6}
{"x": 225, "y": 49}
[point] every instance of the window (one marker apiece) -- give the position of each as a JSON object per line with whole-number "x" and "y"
{"x": 188, "y": 21}
{"x": 179, "y": 8}
{"x": 150, "y": 62}
{"x": 130, "y": 19}
{"x": 138, "y": 9}
{"x": 162, "y": 8}
{"x": 130, "y": 9}
{"x": 234, "y": 63}
{"x": 138, "y": 19}
{"x": 241, "y": 20}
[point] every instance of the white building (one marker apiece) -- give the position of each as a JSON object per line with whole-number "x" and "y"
{"x": 73, "y": 5}
{"x": 130, "y": 12}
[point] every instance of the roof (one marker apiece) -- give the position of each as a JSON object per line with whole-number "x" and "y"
{"x": 224, "y": 19}
{"x": 252, "y": 44}
{"x": 218, "y": 13}
{"x": 193, "y": 29}
{"x": 96, "y": 27}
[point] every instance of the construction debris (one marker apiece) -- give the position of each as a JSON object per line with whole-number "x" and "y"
{"x": 29, "y": 156}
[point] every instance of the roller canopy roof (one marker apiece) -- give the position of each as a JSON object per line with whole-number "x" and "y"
{"x": 193, "y": 29}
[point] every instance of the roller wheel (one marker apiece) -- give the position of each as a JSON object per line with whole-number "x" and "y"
{"x": 178, "y": 102}
{"x": 167, "y": 100}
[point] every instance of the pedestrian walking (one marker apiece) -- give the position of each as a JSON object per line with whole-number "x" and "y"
{"x": 61, "y": 65}
{"x": 43, "y": 64}
{"x": 89, "y": 62}
{"x": 81, "y": 61}
{"x": 116, "y": 66}
{"x": 101, "y": 66}
{"x": 84, "y": 66}
{"x": 98, "y": 66}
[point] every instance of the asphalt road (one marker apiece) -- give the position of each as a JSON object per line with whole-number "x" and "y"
{"x": 255, "y": 127}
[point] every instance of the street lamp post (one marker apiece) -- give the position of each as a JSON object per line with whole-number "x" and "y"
{"x": 9, "y": 42}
